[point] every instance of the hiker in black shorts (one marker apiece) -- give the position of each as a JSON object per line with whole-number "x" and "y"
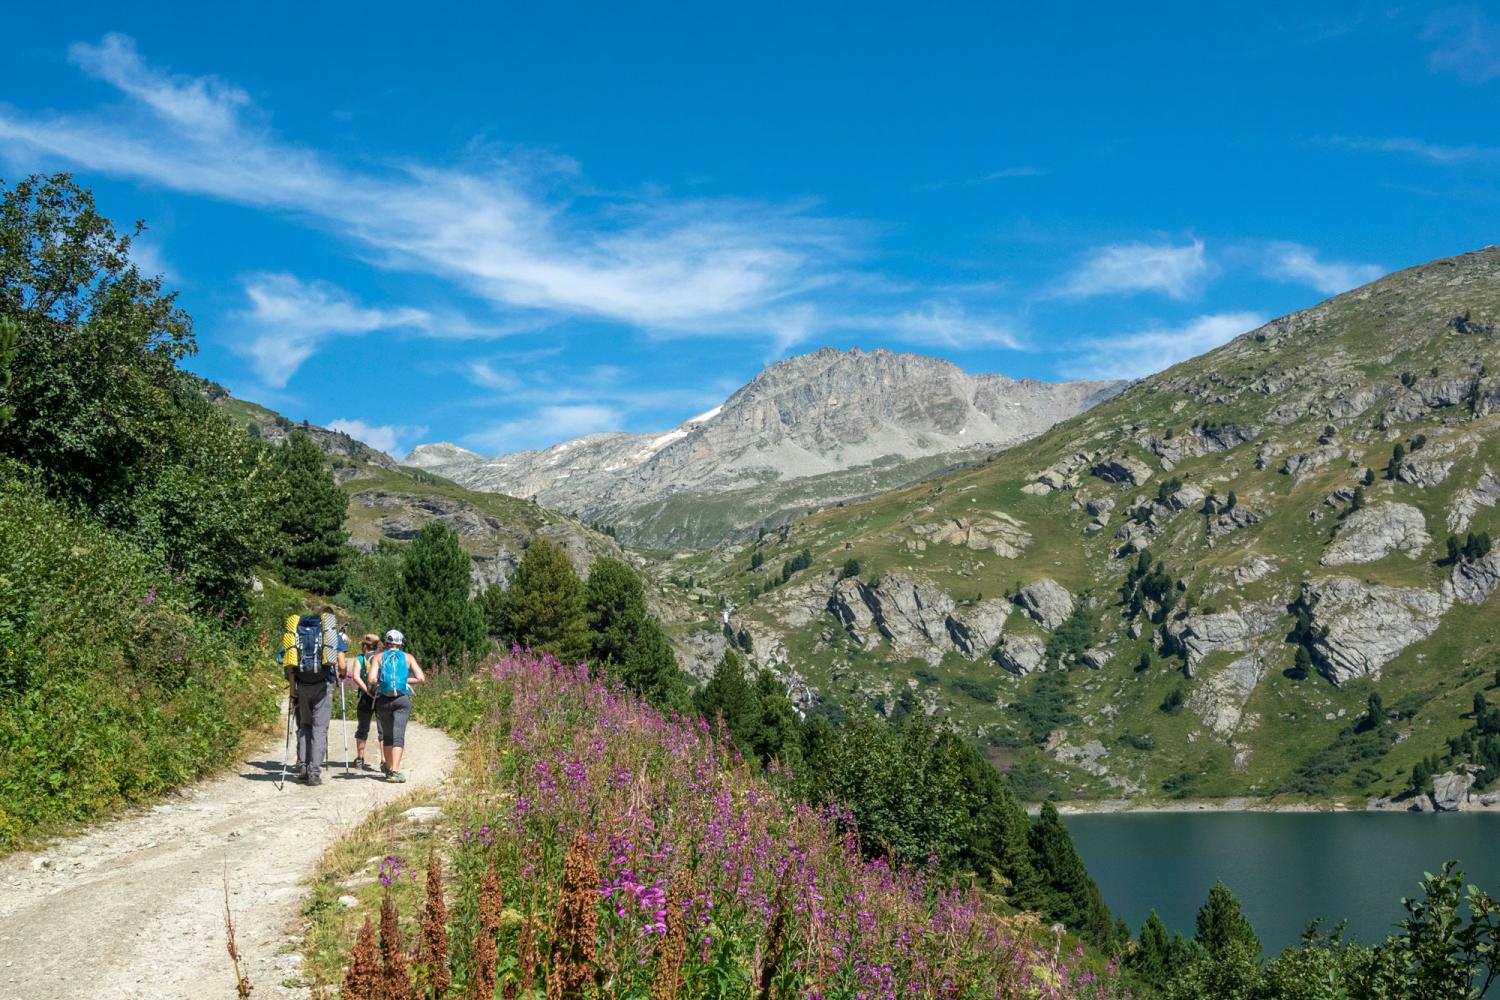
{"x": 364, "y": 710}
{"x": 390, "y": 674}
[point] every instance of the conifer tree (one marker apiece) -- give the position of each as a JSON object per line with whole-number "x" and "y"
{"x": 544, "y": 606}
{"x": 310, "y": 520}
{"x": 432, "y": 597}
{"x": 1159, "y": 954}
{"x": 623, "y": 638}
{"x": 1072, "y": 896}
{"x": 1223, "y": 927}
{"x": 729, "y": 694}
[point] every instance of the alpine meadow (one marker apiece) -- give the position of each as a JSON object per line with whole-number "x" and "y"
{"x": 587, "y": 503}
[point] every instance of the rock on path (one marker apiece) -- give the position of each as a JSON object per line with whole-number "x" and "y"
{"x": 135, "y": 909}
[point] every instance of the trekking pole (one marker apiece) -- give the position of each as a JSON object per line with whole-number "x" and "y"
{"x": 344, "y": 724}
{"x": 286, "y": 751}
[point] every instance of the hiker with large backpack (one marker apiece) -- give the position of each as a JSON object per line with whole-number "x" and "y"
{"x": 390, "y": 674}
{"x": 317, "y": 663}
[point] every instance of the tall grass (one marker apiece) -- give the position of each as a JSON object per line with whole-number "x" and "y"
{"x": 113, "y": 691}
{"x": 639, "y": 856}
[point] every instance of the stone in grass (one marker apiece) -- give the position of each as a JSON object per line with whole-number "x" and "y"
{"x": 352, "y": 902}
{"x": 423, "y": 814}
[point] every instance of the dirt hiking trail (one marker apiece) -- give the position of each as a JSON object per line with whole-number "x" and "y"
{"x": 134, "y": 910}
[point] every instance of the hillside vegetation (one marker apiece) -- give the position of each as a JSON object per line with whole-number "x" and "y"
{"x": 1234, "y": 578}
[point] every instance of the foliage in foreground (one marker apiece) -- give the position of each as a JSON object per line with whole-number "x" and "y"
{"x": 635, "y": 854}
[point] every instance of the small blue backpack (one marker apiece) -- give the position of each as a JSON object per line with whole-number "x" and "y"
{"x": 391, "y": 681}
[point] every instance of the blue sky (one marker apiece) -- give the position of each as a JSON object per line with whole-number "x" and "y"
{"x": 509, "y": 226}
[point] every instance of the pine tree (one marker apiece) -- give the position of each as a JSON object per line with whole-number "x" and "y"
{"x": 1072, "y": 896}
{"x": 1159, "y": 954}
{"x": 1223, "y": 926}
{"x": 544, "y": 606}
{"x": 310, "y": 521}
{"x": 623, "y": 638}
{"x": 1302, "y": 664}
{"x": 728, "y": 694}
{"x": 432, "y": 597}
{"x": 1369, "y": 479}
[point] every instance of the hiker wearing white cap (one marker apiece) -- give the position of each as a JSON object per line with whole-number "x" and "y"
{"x": 390, "y": 674}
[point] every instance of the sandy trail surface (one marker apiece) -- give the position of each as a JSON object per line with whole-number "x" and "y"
{"x": 135, "y": 908}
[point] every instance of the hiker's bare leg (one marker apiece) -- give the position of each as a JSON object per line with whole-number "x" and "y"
{"x": 393, "y": 758}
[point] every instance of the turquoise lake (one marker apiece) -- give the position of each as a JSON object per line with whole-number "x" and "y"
{"x": 1286, "y": 868}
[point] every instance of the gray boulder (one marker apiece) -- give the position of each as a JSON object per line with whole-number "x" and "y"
{"x": 1047, "y": 601}
{"x": 1466, "y": 502}
{"x": 1122, "y": 469}
{"x": 1200, "y": 635}
{"x": 1096, "y": 659}
{"x": 1374, "y": 532}
{"x": 1306, "y": 462}
{"x": 975, "y": 629}
{"x": 1361, "y": 627}
{"x": 1473, "y": 582}
{"x": 1450, "y": 791}
{"x": 1219, "y": 698}
{"x": 1423, "y": 471}
{"x": 1020, "y": 654}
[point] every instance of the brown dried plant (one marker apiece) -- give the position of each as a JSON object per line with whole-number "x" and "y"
{"x": 491, "y": 903}
{"x": 528, "y": 955}
{"x": 395, "y": 982}
{"x": 362, "y": 980}
{"x": 432, "y": 945}
{"x": 666, "y": 982}
{"x": 776, "y": 941}
{"x": 242, "y": 987}
{"x": 575, "y": 933}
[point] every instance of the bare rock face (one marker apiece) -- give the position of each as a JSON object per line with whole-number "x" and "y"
{"x": 975, "y": 629}
{"x": 1466, "y": 502}
{"x": 1219, "y": 698}
{"x": 1200, "y": 635}
{"x": 1047, "y": 601}
{"x": 854, "y": 605}
{"x": 1473, "y": 582}
{"x": 1020, "y": 654}
{"x": 1303, "y": 463}
{"x": 998, "y": 533}
{"x": 1450, "y": 792}
{"x": 1122, "y": 469}
{"x": 1196, "y": 442}
{"x": 913, "y": 614}
{"x": 1361, "y": 627}
{"x": 1423, "y": 471}
{"x": 1189, "y": 497}
{"x": 1374, "y": 532}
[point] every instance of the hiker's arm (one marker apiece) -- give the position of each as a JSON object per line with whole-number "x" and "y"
{"x": 415, "y": 670}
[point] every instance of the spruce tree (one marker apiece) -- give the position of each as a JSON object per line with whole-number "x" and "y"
{"x": 313, "y": 552}
{"x": 432, "y": 597}
{"x": 1072, "y": 896}
{"x": 1223, "y": 926}
{"x": 544, "y": 606}
{"x": 1159, "y": 954}
{"x": 623, "y": 639}
{"x": 729, "y": 696}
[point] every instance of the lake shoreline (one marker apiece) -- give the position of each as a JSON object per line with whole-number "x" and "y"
{"x": 1239, "y": 804}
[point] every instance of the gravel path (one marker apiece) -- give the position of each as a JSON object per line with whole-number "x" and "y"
{"x": 135, "y": 909}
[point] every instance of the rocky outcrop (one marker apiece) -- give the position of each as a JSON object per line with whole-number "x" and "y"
{"x": 1196, "y": 442}
{"x": 1122, "y": 469}
{"x": 854, "y": 605}
{"x": 1304, "y": 463}
{"x": 1360, "y": 627}
{"x": 1374, "y": 532}
{"x": 998, "y": 533}
{"x": 1474, "y": 580}
{"x": 1219, "y": 697}
{"x": 975, "y": 628}
{"x": 1198, "y": 635}
{"x": 1450, "y": 791}
{"x": 1466, "y": 502}
{"x": 1046, "y": 601}
{"x": 1020, "y": 654}
{"x": 1423, "y": 471}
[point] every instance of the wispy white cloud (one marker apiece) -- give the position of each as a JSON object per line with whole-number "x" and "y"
{"x": 1299, "y": 264}
{"x": 546, "y": 425}
{"x": 389, "y": 438}
{"x": 1133, "y": 355}
{"x": 948, "y": 325}
{"x": 287, "y": 320}
{"x": 1464, "y": 42}
{"x": 1433, "y": 152}
{"x": 648, "y": 261}
{"x": 1128, "y": 268}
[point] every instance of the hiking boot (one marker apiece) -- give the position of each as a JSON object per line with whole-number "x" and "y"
{"x": 360, "y": 764}
{"x": 314, "y": 781}
{"x": 395, "y": 776}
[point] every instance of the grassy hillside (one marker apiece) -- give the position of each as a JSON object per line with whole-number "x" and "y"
{"x": 1288, "y": 418}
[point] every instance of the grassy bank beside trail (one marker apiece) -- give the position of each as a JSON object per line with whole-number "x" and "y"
{"x": 589, "y": 838}
{"x": 114, "y": 691}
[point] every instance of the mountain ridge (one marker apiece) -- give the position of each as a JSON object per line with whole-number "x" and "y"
{"x": 829, "y": 413}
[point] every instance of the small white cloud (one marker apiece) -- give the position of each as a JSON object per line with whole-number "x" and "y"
{"x": 1127, "y": 268}
{"x": 1464, "y": 43}
{"x": 1296, "y": 263}
{"x": 947, "y": 324}
{"x": 547, "y": 425}
{"x": 1134, "y": 355}
{"x": 1433, "y": 152}
{"x": 288, "y": 319}
{"x": 389, "y": 438}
